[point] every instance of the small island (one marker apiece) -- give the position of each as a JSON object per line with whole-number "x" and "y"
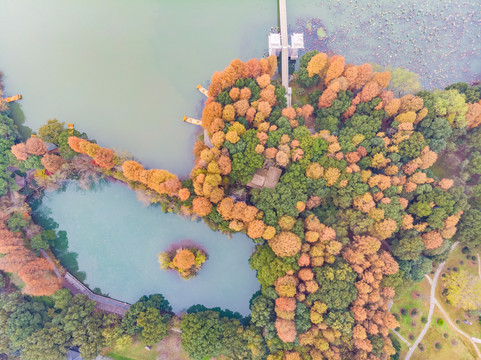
{"x": 187, "y": 261}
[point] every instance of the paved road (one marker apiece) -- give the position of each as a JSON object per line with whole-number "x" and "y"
{"x": 432, "y": 302}
{"x": 459, "y": 331}
{"x": 401, "y": 337}
{"x": 103, "y": 303}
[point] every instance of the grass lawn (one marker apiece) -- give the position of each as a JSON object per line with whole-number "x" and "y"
{"x": 406, "y": 302}
{"x": 168, "y": 349}
{"x": 452, "y": 345}
{"x": 136, "y": 351}
{"x": 454, "y": 313}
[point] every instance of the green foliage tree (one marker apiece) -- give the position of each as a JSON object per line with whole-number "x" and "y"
{"x": 408, "y": 246}
{"x": 43, "y": 240}
{"x": 62, "y": 141}
{"x": 262, "y": 311}
{"x": 17, "y": 222}
{"x": 436, "y": 131}
{"x": 51, "y": 131}
{"x": 10, "y": 136}
{"x": 246, "y": 163}
{"x": 469, "y": 228}
{"x": 336, "y": 285}
{"x": 269, "y": 266}
{"x": 206, "y": 334}
{"x": 403, "y": 81}
{"x": 412, "y": 147}
{"x": 49, "y": 343}
{"x": 129, "y": 321}
{"x": 303, "y": 78}
{"x": 472, "y": 93}
{"x": 302, "y": 318}
{"x": 341, "y": 320}
{"x": 154, "y": 326}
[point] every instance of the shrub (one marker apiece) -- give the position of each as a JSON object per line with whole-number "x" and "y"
{"x": 440, "y": 322}
{"x": 465, "y": 250}
{"x": 438, "y": 346}
{"x": 424, "y": 320}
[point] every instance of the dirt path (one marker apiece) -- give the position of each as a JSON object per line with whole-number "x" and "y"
{"x": 432, "y": 302}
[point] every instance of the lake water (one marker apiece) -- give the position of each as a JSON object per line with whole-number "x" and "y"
{"x": 125, "y": 72}
{"x": 117, "y": 241}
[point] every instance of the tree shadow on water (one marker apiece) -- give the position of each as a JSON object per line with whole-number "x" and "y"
{"x": 18, "y": 116}
{"x": 59, "y": 245}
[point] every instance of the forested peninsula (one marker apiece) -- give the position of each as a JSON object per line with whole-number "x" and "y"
{"x": 351, "y": 194}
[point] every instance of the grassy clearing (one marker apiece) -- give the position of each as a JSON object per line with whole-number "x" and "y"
{"x": 443, "y": 335}
{"x": 136, "y": 351}
{"x": 169, "y": 348}
{"x": 454, "y": 313}
{"x": 407, "y": 303}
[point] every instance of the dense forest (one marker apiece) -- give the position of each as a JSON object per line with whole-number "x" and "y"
{"x": 371, "y": 186}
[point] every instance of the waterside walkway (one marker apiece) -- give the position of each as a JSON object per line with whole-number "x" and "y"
{"x": 76, "y": 287}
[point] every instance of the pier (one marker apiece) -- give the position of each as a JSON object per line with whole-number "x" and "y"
{"x": 279, "y": 45}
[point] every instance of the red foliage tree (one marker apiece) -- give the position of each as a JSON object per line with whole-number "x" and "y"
{"x": 286, "y": 330}
{"x": 39, "y": 278}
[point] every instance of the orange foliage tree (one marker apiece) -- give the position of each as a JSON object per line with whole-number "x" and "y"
{"x": 184, "y": 259}
{"x": 52, "y": 162}
{"x": 105, "y": 158}
{"x": 20, "y": 151}
{"x": 201, "y": 206}
{"x": 285, "y": 244}
{"x": 35, "y": 146}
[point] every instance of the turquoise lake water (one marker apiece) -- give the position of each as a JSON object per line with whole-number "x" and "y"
{"x": 117, "y": 242}
{"x": 125, "y": 72}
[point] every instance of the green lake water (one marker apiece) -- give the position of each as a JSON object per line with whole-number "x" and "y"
{"x": 116, "y": 241}
{"x": 125, "y": 72}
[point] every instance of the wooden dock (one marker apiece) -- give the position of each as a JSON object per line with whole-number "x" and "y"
{"x": 192, "y": 121}
{"x": 203, "y": 90}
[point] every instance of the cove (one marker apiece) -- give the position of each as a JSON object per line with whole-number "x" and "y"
{"x": 117, "y": 241}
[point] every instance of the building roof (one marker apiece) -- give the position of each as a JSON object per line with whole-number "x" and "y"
{"x": 273, "y": 176}
{"x": 265, "y": 178}
{"x": 50, "y": 146}
{"x": 297, "y": 40}
{"x": 275, "y": 40}
{"x": 73, "y": 355}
